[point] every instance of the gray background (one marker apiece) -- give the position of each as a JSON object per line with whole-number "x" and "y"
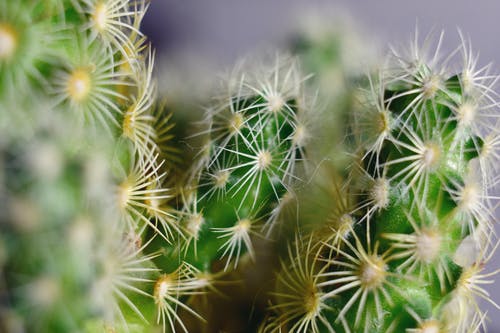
{"x": 220, "y": 31}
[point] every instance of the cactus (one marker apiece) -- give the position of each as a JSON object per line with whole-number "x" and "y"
{"x": 106, "y": 226}
{"x": 252, "y": 152}
{"x": 85, "y": 159}
{"x": 428, "y": 154}
{"x": 338, "y": 57}
{"x": 255, "y": 147}
{"x": 411, "y": 223}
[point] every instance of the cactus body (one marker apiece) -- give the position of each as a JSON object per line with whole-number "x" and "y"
{"x": 79, "y": 203}
{"x": 251, "y": 155}
{"x": 398, "y": 256}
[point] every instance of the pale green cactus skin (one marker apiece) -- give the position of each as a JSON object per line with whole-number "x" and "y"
{"x": 338, "y": 58}
{"x": 85, "y": 154}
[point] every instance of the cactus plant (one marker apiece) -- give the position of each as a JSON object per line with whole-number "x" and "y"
{"x": 409, "y": 239}
{"x": 338, "y": 57}
{"x": 268, "y": 225}
{"x": 252, "y": 151}
{"x": 255, "y": 146}
{"x": 80, "y": 203}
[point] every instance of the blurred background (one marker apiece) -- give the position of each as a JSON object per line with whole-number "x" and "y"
{"x": 223, "y": 30}
{"x": 206, "y": 36}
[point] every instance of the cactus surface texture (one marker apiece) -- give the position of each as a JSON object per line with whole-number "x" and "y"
{"x": 309, "y": 196}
